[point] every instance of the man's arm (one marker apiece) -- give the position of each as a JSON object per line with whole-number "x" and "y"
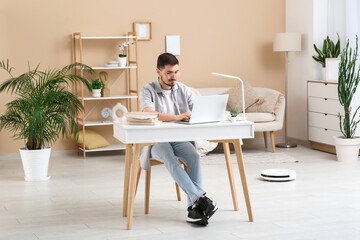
{"x": 169, "y": 117}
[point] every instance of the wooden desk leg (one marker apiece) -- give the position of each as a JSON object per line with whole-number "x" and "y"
{"x": 231, "y": 175}
{"x": 134, "y": 173}
{"x": 126, "y": 178}
{"x": 241, "y": 165}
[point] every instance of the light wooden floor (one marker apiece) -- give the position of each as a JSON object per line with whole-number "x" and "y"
{"x": 83, "y": 201}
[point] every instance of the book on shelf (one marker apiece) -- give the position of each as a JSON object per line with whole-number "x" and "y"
{"x": 142, "y": 115}
{"x": 145, "y": 120}
{"x": 146, "y": 123}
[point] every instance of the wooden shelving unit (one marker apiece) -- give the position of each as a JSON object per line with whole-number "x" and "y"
{"x": 132, "y": 91}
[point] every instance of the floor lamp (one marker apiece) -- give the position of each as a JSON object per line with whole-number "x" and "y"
{"x": 287, "y": 42}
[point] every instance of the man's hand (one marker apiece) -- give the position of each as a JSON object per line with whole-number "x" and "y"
{"x": 169, "y": 117}
{"x": 184, "y": 116}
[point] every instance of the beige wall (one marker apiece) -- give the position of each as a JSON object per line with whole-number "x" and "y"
{"x": 300, "y": 19}
{"x": 229, "y": 36}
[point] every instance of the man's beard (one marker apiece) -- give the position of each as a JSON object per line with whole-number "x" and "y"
{"x": 169, "y": 85}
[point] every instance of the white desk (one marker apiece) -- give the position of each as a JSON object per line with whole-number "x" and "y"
{"x": 140, "y": 136}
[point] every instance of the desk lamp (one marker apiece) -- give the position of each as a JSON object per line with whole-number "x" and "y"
{"x": 242, "y": 88}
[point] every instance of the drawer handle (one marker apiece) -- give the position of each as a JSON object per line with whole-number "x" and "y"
{"x": 325, "y": 99}
{"x": 325, "y": 84}
{"x": 325, "y": 114}
{"x": 325, "y": 129}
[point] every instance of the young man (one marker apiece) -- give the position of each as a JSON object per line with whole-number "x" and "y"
{"x": 174, "y": 101}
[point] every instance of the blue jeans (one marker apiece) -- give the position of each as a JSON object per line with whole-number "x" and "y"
{"x": 169, "y": 153}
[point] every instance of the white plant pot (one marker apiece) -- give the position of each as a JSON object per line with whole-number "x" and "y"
{"x": 36, "y": 164}
{"x": 96, "y": 92}
{"x": 347, "y": 149}
{"x": 122, "y": 61}
{"x": 232, "y": 119}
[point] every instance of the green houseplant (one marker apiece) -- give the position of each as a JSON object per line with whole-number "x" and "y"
{"x": 233, "y": 114}
{"x": 329, "y": 50}
{"x": 96, "y": 86}
{"x": 43, "y": 110}
{"x": 347, "y": 146}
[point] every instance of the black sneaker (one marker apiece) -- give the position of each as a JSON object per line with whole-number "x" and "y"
{"x": 196, "y": 215}
{"x": 208, "y": 206}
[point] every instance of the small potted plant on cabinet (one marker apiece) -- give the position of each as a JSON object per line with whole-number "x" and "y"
{"x": 233, "y": 114}
{"x": 347, "y": 146}
{"x": 96, "y": 87}
{"x": 43, "y": 110}
{"x": 329, "y": 50}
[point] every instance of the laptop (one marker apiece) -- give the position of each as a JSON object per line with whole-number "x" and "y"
{"x": 207, "y": 109}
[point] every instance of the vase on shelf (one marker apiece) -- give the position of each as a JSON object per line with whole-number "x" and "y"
{"x": 122, "y": 61}
{"x": 96, "y": 92}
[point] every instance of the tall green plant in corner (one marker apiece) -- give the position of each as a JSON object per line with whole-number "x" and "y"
{"x": 348, "y": 82}
{"x": 44, "y": 108}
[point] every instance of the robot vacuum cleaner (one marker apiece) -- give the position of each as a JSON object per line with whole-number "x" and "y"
{"x": 278, "y": 175}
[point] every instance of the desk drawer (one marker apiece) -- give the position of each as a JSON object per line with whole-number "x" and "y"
{"x": 323, "y": 90}
{"x": 324, "y": 120}
{"x": 325, "y": 105}
{"x": 323, "y": 136}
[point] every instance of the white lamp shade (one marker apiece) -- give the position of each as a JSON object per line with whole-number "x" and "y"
{"x": 287, "y": 42}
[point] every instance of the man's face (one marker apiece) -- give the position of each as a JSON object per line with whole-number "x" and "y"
{"x": 168, "y": 75}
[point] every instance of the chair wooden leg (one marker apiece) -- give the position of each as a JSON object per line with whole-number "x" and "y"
{"x": 185, "y": 167}
{"x": 147, "y": 190}
{"x": 272, "y": 141}
{"x": 178, "y": 194}
{"x": 265, "y": 139}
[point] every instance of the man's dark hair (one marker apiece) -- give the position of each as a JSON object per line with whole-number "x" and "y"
{"x": 166, "y": 59}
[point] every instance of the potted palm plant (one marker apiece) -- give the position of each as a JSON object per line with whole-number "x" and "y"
{"x": 43, "y": 110}
{"x": 347, "y": 146}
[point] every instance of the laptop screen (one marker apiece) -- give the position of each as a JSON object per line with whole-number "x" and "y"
{"x": 209, "y": 108}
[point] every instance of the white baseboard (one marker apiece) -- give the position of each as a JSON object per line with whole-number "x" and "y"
{"x": 64, "y": 153}
{"x": 58, "y": 153}
{"x": 259, "y": 141}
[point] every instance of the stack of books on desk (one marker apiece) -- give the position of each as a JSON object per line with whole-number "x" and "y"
{"x": 143, "y": 118}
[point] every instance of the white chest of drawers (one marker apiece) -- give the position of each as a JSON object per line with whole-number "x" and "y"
{"x": 323, "y": 108}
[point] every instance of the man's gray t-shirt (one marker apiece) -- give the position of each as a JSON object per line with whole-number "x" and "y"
{"x": 152, "y": 95}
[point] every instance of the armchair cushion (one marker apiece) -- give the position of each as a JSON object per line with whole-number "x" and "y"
{"x": 266, "y": 104}
{"x": 258, "y": 117}
{"x": 235, "y": 96}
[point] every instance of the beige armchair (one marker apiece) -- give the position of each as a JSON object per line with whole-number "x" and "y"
{"x": 272, "y": 122}
{"x": 263, "y": 122}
